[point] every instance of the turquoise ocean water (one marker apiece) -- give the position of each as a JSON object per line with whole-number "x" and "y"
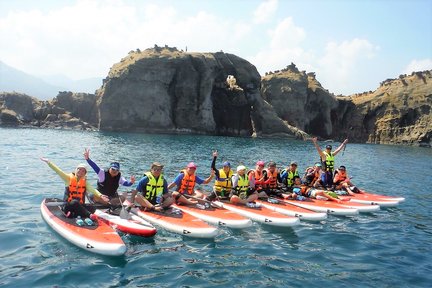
{"x": 389, "y": 248}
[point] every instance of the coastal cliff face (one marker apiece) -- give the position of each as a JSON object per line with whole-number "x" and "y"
{"x": 163, "y": 90}
{"x": 398, "y": 112}
{"x": 171, "y": 91}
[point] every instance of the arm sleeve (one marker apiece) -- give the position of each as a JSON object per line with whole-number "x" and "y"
{"x": 92, "y": 190}
{"x": 63, "y": 175}
{"x": 234, "y": 179}
{"x": 124, "y": 182}
{"x": 199, "y": 180}
{"x": 142, "y": 184}
{"x": 165, "y": 187}
{"x": 94, "y": 166}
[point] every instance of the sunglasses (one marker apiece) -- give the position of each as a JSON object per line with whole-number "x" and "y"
{"x": 157, "y": 169}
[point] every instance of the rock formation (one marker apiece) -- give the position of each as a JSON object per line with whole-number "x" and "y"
{"x": 20, "y": 109}
{"x": 166, "y": 90}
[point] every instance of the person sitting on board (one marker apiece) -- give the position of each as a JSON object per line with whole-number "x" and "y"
{"x": 299, "y": 189}
{"x": 109, "y": 180}
{"x": 312, "y": 176}
{"x": 76, "y": 190}
{"x": 223, "y": 183}
{"x": 243, "y": 192}
{"x": 287, "y": 176}
{"x": 152, "y": 190}
{"x": 271, "y": 181}
{"x": 185, "y": 182}
{"x": 327, "y": 159}
{"x": 343, "y": 182}
{"x": 257, "y": 176}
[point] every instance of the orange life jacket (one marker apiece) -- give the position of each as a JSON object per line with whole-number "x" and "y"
{"x": 187, "y": 184}
{"x": 272, "y": 184}
{"x": 77, "y": 189}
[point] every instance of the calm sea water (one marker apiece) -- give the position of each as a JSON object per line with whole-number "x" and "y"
{"x": 390, "y": 248}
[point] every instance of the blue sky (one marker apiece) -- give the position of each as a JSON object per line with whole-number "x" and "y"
{"x": 351, "y": 45}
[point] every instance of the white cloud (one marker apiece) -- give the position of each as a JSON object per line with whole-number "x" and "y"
{"x": 285, "y": 46}
{"x": 418, "y": 65}
{"x": 265, "y": 11}
{"x": 343, "y": 64}
{"x": 86, "y": 38}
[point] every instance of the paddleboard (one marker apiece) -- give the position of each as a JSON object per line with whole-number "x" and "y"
{"x": 369, "y": 199}
{"x": 291, "y": 210}
{"x": 217, "y": 216}
{"x": 261, "y": 215}
{"x": 135, "y": 225}
{"x": 361, "y": 207}
{"x": 383, "y": 197}
{"x": 175, "y": 221}
{"x": 329, "y": 207}
{"x": 100, "y": 238}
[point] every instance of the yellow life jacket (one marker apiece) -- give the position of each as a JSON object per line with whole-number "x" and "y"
{"x": 243, "y": 183}
{"x": 154, "y": 188}
{"x": 223, "y": 184}
{"x": 329, "y": 161}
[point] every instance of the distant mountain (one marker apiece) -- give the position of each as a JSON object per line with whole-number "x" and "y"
{"x": 89, "y": 85}
{"x": 43, "y": 87}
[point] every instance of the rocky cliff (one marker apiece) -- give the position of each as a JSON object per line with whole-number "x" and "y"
{"x": 166, "y": 90}
{"x": 67, "y": 111}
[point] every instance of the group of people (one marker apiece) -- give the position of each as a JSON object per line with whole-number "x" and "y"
{"x": 241, "y": 187}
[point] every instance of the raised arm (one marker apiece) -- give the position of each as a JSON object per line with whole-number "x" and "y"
{"x": 318, "y": 148}
{"x": 94, "y": 166}
{"x": 63, "y": 175}
{"x": 342, "y": 145}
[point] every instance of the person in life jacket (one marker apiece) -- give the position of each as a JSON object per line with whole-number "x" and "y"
{"x": 258, "y": 176}
{"x": 300, "y": 189}
{"x": 327, "y": 158}
{"x": 109, "y": 180}
{"x": 76, "y": 189}
{"x": 271, "y": 181}
{"x": 223, "y": 184}
{"x": 287, "y": 175}
{"x": 312, "y": 176}
{"x": 185, "y": 182}
{"x": 152, "y": 190}
{"x": 243, "y": 191}
{"x": 343, "y": 182}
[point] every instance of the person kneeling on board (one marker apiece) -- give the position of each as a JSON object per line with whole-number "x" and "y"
{"x": 185, "y": 182}
{"x": 153, "y": 190}
{"x": 343, "y": 182}
{"x": 75, "y": 192}
{"x": 243, "y": 191}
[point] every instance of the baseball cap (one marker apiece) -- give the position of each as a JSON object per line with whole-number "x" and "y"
{"x": 293, "y": 163}
{"x": 192, "y": 165}
{"x": 260, "y": 163}
{"x": 318, "y": 164}
{"x": 226, "y": 163}
{"x": 115, "y": 165}
{"x": 241, "y": 167}
{"x": 271, "y": 164}
{"x": 328, "y": 147}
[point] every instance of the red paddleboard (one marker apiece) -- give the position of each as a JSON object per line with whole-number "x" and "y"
{"x": 135, "y": 225}
{"x": 175, "y": 221}
{"x": 261, "y": 214}
{"x": 217, "y": 216}
{"x": 100, "y": 238}
{"x": 291, "y": 210}
{"x": 329, "y": 207}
